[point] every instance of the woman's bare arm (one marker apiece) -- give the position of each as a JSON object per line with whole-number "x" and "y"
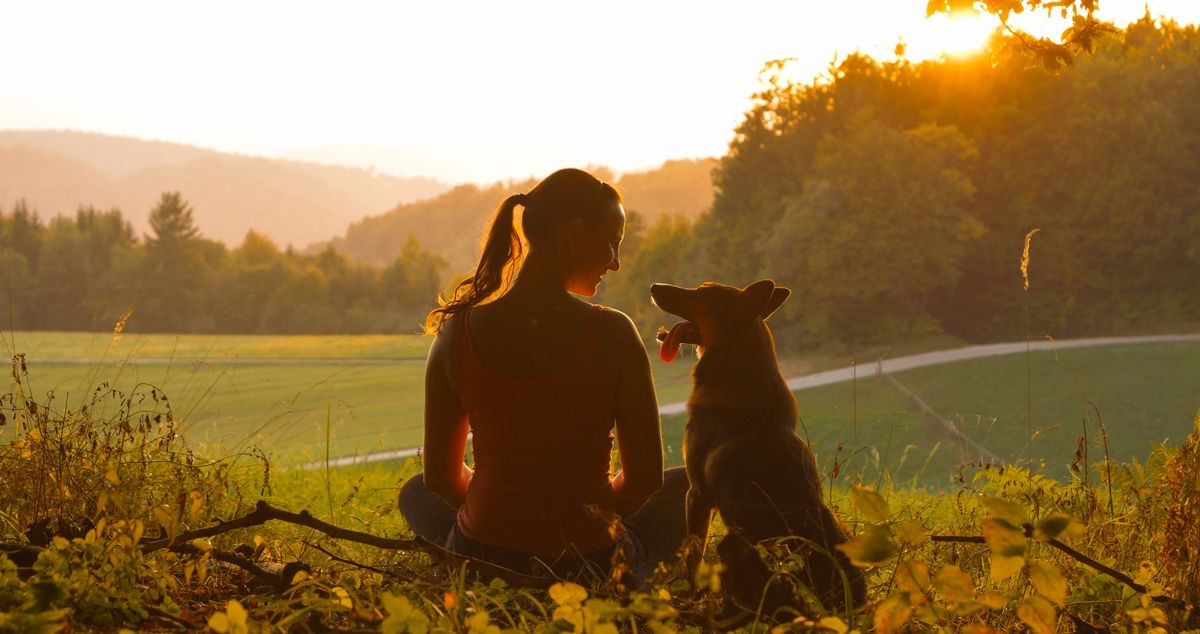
{"x": 639, "y": 433}
{"x": 446, "y": 472}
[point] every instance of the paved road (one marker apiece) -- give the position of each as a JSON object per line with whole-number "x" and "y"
{"x": 845, "y": 374}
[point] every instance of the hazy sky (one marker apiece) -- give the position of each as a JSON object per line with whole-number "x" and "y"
{"x": 473, "y": 91}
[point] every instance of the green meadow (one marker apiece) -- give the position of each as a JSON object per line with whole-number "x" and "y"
{"x": 1143, "y": 394}
{"x": 290, "y": 395}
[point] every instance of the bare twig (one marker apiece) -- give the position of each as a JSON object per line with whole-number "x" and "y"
{"x": 347, "y": 561}
{"x": 1077, "y": 556}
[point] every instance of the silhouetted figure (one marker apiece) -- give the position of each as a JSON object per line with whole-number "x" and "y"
{"x": 541, "y": 378}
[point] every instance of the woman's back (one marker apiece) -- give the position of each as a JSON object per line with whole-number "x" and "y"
{"x": 541, "y": 442}
{"x": 520, "y": 341}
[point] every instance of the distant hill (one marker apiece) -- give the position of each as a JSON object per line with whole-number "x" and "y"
{"x": 452, "y": 224}
{"x": 291, "y": 201}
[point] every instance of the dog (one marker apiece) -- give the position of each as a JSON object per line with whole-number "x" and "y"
{"x": 742, "y": 455}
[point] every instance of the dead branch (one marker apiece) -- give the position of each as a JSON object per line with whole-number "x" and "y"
{"x": 1077, "y": 556}
{"x": 271, "y": 579}
{"x": 264, "y": 512}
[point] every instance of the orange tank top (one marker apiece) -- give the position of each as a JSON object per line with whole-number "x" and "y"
{"x": 541, "y": 448}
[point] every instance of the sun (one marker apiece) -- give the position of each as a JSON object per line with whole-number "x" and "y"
{"x": 958, "y": 34}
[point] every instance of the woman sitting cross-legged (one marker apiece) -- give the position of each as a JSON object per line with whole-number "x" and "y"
{"x": 541, "y": 378}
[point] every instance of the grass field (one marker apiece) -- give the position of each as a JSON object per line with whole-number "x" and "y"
{"x": 1144, "y": 394}
{"x": 279, "y": 392}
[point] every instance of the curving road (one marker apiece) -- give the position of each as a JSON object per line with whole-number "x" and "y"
{"x": 883, "y": 366}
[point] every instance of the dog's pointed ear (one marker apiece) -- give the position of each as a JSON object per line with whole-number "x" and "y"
{"x": 778, "y": 296}
{"x": 755, "y": 297}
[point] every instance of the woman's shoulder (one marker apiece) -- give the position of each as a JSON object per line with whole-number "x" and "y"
{"x": 616, "y": 326}
{"x": 443, "y": 340}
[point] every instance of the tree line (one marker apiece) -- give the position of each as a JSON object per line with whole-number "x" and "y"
{"x": 680, "y": 187}
{"x": 894, "y": 197}
{"x": 86, "y": 272}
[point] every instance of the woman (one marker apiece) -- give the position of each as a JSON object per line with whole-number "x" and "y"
{"x": 541, "y": 378}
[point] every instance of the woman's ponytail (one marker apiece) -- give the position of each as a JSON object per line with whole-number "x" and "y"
{"x": 498, "y": 262}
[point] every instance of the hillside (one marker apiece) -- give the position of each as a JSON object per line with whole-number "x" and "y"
{"x": 291, "y": 201}
{"x": 452, "y": 223}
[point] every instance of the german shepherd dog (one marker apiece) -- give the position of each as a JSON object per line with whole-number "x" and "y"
{"x": 741, "y": 451}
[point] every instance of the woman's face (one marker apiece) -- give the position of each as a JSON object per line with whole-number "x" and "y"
{"x": 596, "y": 250}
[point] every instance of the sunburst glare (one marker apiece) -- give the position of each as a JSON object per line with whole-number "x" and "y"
{"x": 959, "y": 34}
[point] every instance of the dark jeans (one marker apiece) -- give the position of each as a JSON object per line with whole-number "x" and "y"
{"x": 653, "y": 533}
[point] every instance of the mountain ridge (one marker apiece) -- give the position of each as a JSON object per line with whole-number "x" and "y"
{"x": 293, "y": 202}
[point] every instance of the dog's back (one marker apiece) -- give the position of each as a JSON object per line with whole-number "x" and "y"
{"x": 743, "y": 456}
{"x": 765, "y": 484}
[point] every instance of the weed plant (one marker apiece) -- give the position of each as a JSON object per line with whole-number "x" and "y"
{"x": 91, "y": 492}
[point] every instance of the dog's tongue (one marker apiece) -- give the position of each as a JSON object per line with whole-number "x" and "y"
{"x": 669, "y": 348}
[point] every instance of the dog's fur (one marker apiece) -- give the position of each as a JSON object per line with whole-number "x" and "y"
{"x": 741, "y": 451}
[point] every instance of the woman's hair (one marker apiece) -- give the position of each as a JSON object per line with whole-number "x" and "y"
{"x": 565, "y": 194}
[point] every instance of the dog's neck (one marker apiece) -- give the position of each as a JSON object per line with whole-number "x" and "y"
{"x": 740, "y": 369}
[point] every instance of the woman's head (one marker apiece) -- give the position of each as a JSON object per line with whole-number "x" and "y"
{"x": 570, "y": 212}
{"x": 563, "y": 196}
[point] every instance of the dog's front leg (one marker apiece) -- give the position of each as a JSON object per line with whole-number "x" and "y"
{"x": 699, "y": 510}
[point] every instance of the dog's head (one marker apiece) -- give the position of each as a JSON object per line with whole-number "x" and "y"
{"x": 712, "y": 311}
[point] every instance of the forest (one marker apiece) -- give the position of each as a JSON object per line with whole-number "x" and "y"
{"x": 893, "y": 197}
{"x": 84, "y": 272}
{"x": 91, "y": 271}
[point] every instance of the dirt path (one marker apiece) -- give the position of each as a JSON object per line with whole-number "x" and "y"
{"x": 881, "y": 366}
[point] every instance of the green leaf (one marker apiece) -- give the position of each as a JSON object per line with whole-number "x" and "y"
{"x": 869, "y": 548}
{"x": 1010, "y": 512}
{"x": 910, "y": 532}
{"x": 402, "y": 616}
{"x": 1055, "y": 524}
{"x": 913, "y": 577}
{"x": 1003, "y": 567}
{"x": 870, "y": 504}
{"x": 891, "y": 614}
{"x": 1003, "y": 539}
{"x": 1047, "y": 580}
{"x": 993, "y": 600}
{"x": 834, "y": 624}
{"x": 954, "y": 584}
{"x": 566, "y": 593}
{"x": 1038, "y": 614}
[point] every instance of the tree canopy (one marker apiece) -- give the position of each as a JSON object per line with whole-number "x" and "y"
{"x": 85, "y": 273}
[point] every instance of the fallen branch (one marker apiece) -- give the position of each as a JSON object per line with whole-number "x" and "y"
{"x": 264, "y": 512}
{"x": 275, "y": 581}
{"x": 1077, "y": 556}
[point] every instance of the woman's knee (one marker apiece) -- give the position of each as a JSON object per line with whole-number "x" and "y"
{"x": 410, "y": 494}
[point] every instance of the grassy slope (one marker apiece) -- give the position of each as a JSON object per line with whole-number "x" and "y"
{"x": 1144, "y": 393}
{"x": 72, "y": 345}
